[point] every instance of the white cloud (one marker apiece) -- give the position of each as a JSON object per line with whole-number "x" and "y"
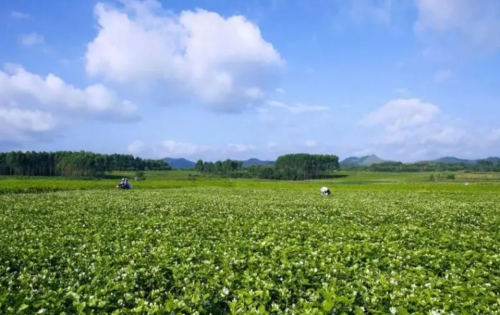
{"x": 31, "y": 39}
{"x": 19, "y": 85}
{"x": 29, "y": 120}
{"x": 443, "y": 75}
{"x": 412, "y": 130}
{"x": 472, "y": 22}
{"x": 298, "y": 108}
{"x": 415, "y": 128}
{"x": 221, "y": 62}
{"x": 32, "y": 105}
{"x": 280, "y": 90}
{"x": 23, "y": 125}
{"x": 402, "y": 113}
{"x": 18, "y": 15}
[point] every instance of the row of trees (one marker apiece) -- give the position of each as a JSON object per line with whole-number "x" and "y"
{"x": 226, "y": 167}
{"x": 480, "y": 166}
{"x": 287, "y": 167}
{"x": 74, "y": 164}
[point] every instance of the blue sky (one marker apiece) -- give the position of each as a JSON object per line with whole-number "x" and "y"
{"x": 405, "y": 80}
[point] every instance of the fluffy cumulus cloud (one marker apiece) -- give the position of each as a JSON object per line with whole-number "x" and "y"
{"x": 197, "y": 56}
{"x": 24, "y": 125}
{"x": 402, "y": 113}
{"x": 417, "y": 129}
{"x": 474, "y": 22}
{"x": 33, "y": 107}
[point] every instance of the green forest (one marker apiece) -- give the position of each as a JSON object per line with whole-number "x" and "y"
{"x": 73, "y": 164}
{"x": 299, "y": 166}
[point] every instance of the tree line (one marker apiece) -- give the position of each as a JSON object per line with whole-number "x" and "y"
{"x": 73, "y": 164}
{"x": 480, "y": 166}
{"x": 300, "y": 166}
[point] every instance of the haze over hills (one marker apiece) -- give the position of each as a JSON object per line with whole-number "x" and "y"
{"x": 256, "y": 162}
{"x": 367, "y": 160}
{"x": 455, "y": 160}
{"x": 182, "y": 163}
{"x": 361, "y": 161}
{"x": 372, "y": 159}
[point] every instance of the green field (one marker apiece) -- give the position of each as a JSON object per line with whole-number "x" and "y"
{"x": 381, "y": 244}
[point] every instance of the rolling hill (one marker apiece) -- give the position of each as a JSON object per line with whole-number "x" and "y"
{"x": 361, "y": 161}
{"x": 180, "y": 163}
{"x": 256, "y": 162}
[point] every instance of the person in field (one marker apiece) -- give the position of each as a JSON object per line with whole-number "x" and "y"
{"x": 325, "y": 191}
{"x": 124, "y": 184}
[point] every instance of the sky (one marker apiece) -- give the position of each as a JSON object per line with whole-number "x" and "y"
{"x": 406, "y": 80}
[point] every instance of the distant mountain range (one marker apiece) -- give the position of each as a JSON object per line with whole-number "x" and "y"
{"x": 256, "y": 162}
{"x": 182, "y": 163}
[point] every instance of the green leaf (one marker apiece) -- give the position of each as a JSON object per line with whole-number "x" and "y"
{"x": 23, "y": 307}
{"x": 327, "y": 305}
{"x": 80, "y": 307}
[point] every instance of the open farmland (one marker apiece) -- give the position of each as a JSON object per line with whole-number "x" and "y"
{"x": 249, "y": 247}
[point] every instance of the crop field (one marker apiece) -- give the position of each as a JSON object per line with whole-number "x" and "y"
{"x": 249, "y": 247}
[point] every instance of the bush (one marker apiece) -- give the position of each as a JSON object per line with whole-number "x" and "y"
{"x": 139, "y": 175}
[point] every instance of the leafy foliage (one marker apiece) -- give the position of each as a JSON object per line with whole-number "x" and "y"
{"x": 373, "y": 249}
